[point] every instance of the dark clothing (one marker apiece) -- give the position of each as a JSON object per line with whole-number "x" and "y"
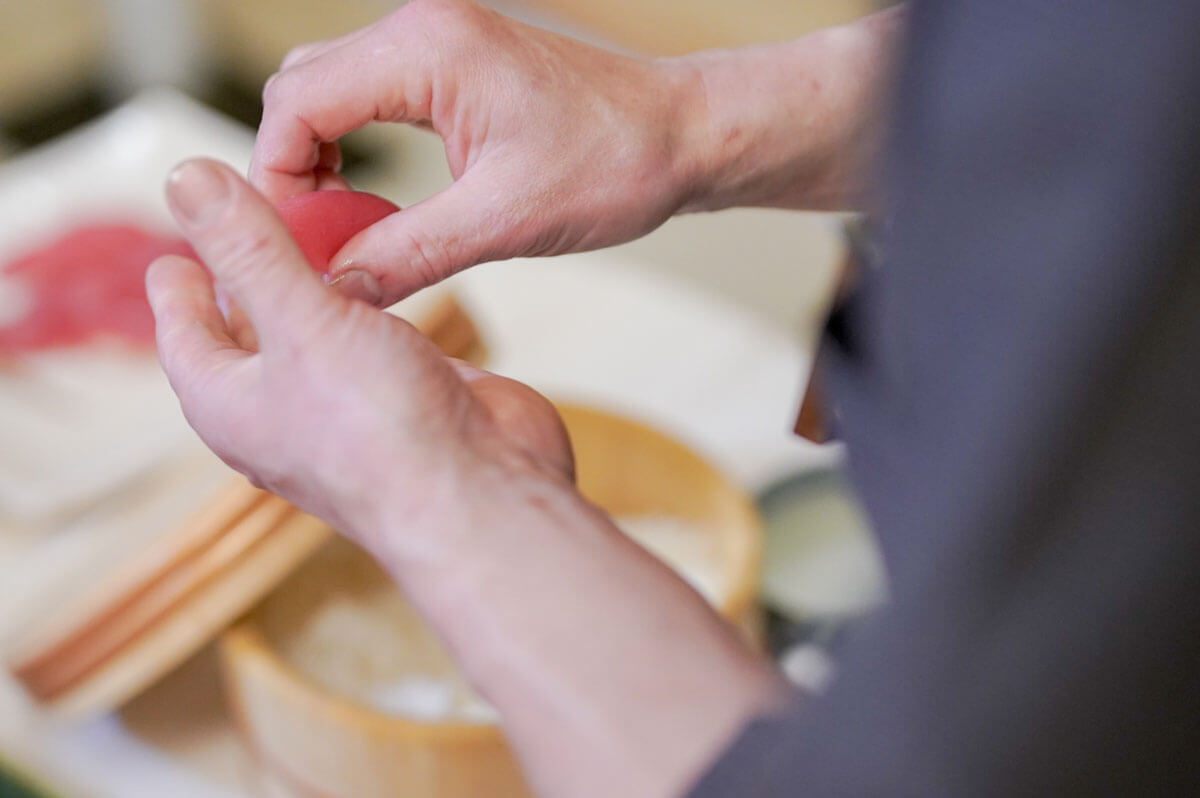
{"x": 1019, "y": 387}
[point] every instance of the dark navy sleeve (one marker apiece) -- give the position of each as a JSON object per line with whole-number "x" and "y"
{"x": 1022, "y": 410}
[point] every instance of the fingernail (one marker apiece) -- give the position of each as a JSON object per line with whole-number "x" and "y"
{"x": 198, "y": 191}
{"x": 357, "y": 284}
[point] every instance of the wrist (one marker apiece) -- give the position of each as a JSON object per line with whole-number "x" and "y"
{"x": 478, "y": 568}
{"x": 469, "y": 513}
{"x": 784, "y": 125}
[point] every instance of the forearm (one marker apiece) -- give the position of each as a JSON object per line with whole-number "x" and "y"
{"x": 790, "y": 125}
{"x": 612, "y": 676}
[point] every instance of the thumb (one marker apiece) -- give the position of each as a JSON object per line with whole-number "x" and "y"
{"x": 524, "y": 417}
{"x": 425, "y": 243}
{"x": 241, "y": 240}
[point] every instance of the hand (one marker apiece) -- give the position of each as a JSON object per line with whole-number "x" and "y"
{"x": 459, "y": 482}
{"x": 338, "y": 406}
{"x": 555, "y": 146}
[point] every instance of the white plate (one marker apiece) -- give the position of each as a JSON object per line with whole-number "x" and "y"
{"x": 589, "y": 328}
{"x": 67, "y": 418}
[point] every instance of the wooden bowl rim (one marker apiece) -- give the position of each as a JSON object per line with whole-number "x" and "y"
{"x": 744, "y": 586}
{"x": 245, "y": 644}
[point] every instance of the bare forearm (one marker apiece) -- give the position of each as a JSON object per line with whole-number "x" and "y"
{"x": 612, "y": 676}
{"x": 790, "y": 125}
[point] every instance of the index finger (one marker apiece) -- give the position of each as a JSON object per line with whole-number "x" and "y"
{"x": 327, "y": 96}
{"x": 190, "y": 333}
{"x": 247, "y": 248}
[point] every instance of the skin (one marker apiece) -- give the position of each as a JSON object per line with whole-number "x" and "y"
{"x": 556, "y": 146}
{"x": 612, "y": 677}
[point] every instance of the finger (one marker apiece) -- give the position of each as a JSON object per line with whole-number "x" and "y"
{"x": 246, "y": 247}
{"x": 424, "y": 243}
{"x": 189, "y": 329}
{"x": 330, "y": 181}
{"x": 329, "y": 163}
{"x": 329, "y": 156}
{"x": 322, "y": 99}
{"x": 358, "y": 285}
{"x": 236, "y": 321}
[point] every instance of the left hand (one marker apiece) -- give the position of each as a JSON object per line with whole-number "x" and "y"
{"x": 338, "y": 406}
{"x": 459, "y": 482}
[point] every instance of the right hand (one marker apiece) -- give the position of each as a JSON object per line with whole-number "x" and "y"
{"x": 554, "y": 146}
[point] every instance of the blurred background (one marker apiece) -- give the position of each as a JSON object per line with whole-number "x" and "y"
{"x": 96, "y": 463}
{"x": 65, "y": 61}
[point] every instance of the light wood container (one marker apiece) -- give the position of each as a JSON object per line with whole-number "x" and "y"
{"x": 630, "y": 469}
{"x": 311, "y": 741}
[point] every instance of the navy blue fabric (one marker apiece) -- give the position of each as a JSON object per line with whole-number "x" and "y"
{"x": 1022, "y": 410}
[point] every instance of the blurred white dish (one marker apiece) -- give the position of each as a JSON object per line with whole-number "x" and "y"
{"x": 77, "y": 424}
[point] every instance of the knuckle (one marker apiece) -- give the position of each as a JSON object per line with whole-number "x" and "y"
{"x": 170, "y": 349}
{"x": 275, "y": 90}
{"x": 448, "y": 19}
{"x": 440, "y": 33}
{"x": 241, "y": 255}
{"x": 425, "y": 8}
{"x": 249, "y": 246}
{"x": 428, "y": 260}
